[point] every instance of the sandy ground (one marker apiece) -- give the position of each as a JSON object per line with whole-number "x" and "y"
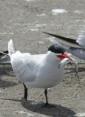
{"x": 24, "y": 21}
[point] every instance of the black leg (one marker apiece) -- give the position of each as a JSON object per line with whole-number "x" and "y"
{"x": 25, "y": 92}
{"x": 45, "y": 92}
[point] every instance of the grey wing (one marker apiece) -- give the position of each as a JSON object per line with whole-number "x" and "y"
{"x": 78, "y": 52}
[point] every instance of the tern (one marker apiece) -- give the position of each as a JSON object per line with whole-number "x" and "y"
{"x": 38, "y": 71}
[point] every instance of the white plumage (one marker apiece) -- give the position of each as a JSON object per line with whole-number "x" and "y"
{"x": 43, "y": 70}
{"x": 40, "y": 71}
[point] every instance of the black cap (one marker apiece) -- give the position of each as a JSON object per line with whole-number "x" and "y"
{"x": 56, "y": 48}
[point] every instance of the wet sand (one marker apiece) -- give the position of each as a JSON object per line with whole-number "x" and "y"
{"x": 24, "y": 22}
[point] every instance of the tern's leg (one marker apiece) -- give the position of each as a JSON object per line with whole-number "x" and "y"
{"x": 45, "y": 92}
{"x": 25, "y": 92}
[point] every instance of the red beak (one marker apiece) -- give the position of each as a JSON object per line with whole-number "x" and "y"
{"x": 64, "y": 55}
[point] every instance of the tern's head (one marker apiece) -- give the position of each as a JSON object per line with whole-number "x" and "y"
{"x": 55, "y": 48}
{"x": 59, "y": 51}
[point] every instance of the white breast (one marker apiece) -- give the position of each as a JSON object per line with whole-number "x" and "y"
{"x": 41, "y": 71}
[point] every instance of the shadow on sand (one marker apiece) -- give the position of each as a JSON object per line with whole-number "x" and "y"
{"x": 52, "y": 110}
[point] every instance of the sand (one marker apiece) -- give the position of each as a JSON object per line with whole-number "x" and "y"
{"x": 24, "y": 21}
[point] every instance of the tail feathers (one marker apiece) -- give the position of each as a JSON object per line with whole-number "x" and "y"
{"x": 11, "y": 49}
